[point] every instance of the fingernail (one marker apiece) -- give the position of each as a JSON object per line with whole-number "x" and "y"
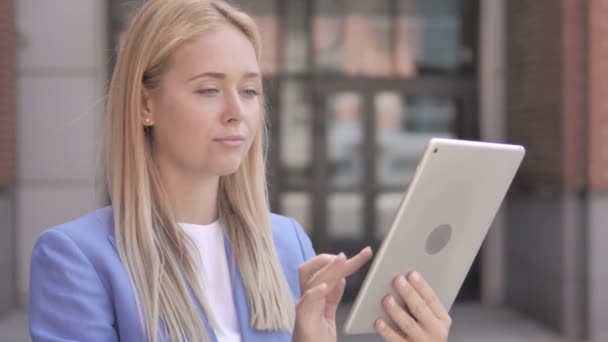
{"x": 380, "y": 324}
{"x": 402, "y": 281}
{"x": 415, "y": 276}
{"x": 391, "y": 301}
{"x": 323, "y": 286}
{"x": 337, "y": 258}
{"x": 341, "y": 256}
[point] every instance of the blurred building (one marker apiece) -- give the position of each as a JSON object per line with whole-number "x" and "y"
{"x": 7, "y": 157}
{"x": 53, "y": 73}
{"x": 355, "y": 89}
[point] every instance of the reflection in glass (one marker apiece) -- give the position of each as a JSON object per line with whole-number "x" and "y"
{"x": 367, "y": 38}
{"x": 345, "y": 138}
{"x": 295, "y": 129}
{"x": 404, "y": 126}
{"x": 386, "y": 209}
{"x": 270, "y": 32}
{"x": 353, "y": 37}
{"x": 328, "y": 35}
{"x": 297, "y": 205}
{"x": 345, "y": 215}
{"x": 265, "y": 14}
{"x": 296, "y": 41}
{"x": 427, "y": 35}
{"x": 364, "y": 38}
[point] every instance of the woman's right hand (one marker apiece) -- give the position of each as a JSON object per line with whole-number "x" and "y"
{"x": 322, "y": 282}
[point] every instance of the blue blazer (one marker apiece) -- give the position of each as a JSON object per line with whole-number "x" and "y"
{"x": 80, "y": 291}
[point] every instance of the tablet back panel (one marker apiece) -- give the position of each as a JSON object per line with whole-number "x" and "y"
{"x": 440, "y": 224}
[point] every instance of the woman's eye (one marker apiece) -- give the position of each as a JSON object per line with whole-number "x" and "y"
{"x": 251, "y": 92}
{"x": 208, "y": 91}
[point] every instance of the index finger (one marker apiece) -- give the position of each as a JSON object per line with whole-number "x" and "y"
{"x": 355, "y": 263}
{"x": 332, "y": 273}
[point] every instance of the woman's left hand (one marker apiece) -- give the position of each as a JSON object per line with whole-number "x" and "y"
{"x": 426, "y": 318}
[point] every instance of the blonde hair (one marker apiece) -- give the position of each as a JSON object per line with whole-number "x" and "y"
{"x": 156, "y": 254}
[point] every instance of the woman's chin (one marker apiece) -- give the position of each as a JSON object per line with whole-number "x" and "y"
{"x": 228, "y": 168}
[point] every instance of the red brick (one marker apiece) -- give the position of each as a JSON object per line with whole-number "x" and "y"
{"x": 572, "y": 111}
{"x": 598, "y": 94}
{"x": 557, "y": 83}
{"x": 534, "y": 88}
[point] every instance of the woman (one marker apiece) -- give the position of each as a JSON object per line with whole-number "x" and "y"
{"x": 188, "y": 249}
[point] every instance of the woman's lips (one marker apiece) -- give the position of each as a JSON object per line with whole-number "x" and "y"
{"x": 231, "y": 140}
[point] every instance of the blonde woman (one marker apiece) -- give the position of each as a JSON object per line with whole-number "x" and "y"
{"x": 188, "y": 251}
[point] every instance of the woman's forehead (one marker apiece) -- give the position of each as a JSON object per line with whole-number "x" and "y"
{"x": 225, "y": 50}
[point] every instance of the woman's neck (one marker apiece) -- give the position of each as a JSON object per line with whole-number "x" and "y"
{"x": 193, "y": 198}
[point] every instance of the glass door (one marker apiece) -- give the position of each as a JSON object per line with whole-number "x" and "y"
{"x": 355, "y": 88}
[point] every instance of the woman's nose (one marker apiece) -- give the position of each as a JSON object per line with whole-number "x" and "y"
{"x": 233, "y": 109}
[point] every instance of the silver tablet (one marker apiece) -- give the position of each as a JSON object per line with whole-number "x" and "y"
{"x": 441, "y": 222}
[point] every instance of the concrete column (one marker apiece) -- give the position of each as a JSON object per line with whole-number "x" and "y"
{"x": 61, "y": 75}
{"x": 492, "y": 125}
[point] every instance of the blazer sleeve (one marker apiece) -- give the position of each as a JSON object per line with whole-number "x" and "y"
{"x": 308, "y": 251}
{"x": 68, "y": 301}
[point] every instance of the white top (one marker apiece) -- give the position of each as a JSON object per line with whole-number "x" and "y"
{"x": 215, "y": 276}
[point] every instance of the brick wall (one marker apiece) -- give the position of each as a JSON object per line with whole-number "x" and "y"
{"x": 533, "y": 48}
{"x": 598, "y": 94}
{"x": 7, "y": 93}
{"x": 573, "y": 101}
{"x": 557, "y": 106}
{"x": 557, "y": 91}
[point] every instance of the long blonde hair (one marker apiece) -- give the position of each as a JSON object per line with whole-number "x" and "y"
{"x": 155, "y": 252}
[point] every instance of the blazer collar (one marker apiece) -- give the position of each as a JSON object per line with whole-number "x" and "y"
{"x": 248, "y": 333}
{"x": 107, "y": 219}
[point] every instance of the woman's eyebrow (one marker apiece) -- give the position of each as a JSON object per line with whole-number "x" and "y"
{"x": 208, "y": 74}
{"x": 220, "y": 75}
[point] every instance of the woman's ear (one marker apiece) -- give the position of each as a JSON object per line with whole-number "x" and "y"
{"x": 147, "y": 114}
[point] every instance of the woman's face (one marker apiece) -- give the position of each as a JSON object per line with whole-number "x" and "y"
{"x": 207, "y": 108}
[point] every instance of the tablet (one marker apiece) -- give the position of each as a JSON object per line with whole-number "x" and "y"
{"x": 440, "y": 224}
